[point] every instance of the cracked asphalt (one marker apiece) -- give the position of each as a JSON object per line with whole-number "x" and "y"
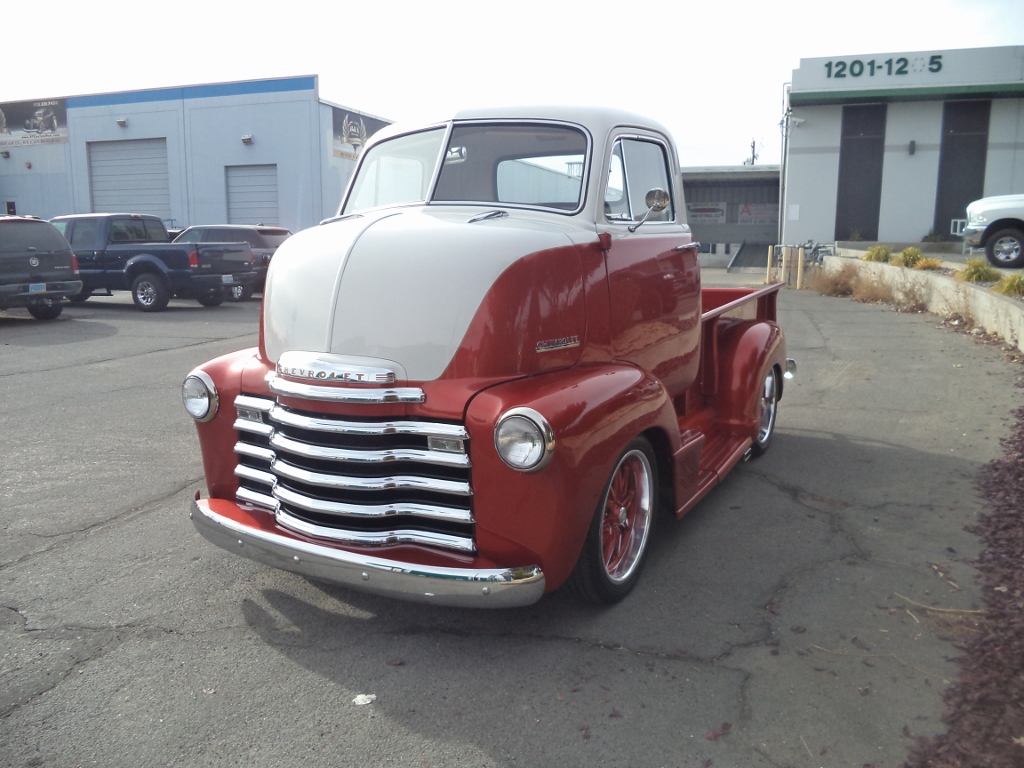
{"x": 788, "y": 621}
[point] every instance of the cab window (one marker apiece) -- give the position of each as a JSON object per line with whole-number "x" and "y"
{"x": 635, "y": 168}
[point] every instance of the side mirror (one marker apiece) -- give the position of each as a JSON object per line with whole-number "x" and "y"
{"x": 656, "y": 200}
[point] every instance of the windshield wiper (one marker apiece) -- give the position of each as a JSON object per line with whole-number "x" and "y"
{"x": 496, "y": 214}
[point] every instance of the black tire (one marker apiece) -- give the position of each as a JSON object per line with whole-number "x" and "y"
{"x": 1005, "y": 248}
{"x": 81, "y": 296}
{"x": 240, "y": 292}
{"x": 48, "y": 311}
{"x": 211, "y": 298}
{"x": 620, "y": 533}
{"x": 768, "y": 412}
{"x": 150, "y": 292}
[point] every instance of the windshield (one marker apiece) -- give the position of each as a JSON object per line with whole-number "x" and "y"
{"x": 518, "y": 164}
{"x": 396, "y": 171}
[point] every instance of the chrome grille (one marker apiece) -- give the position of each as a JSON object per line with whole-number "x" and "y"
{"x": 358, "y": 481}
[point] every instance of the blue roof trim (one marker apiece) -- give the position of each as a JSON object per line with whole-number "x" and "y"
{"x": 194, "y": 92}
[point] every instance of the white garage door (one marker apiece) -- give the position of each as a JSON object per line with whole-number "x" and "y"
{"x": 129, "y": 177}
{"x": 252, "y": 194}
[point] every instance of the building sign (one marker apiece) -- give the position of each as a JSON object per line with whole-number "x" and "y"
{"x": 960, "y": 71}
{"x": 351, "y": 132}
{"x": 758, "y": 213}
{"x": 706, "y": 213}
{"x": 24, "y": 123}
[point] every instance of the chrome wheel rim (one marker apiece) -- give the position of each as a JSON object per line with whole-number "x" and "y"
{"x": 626, "y": 518}
{"x": 769, "y": 408}
{"x": 1006, "y": 248}
{"x": 146, "y": 293}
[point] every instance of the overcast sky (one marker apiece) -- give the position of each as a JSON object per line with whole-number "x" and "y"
{"x": 712, "y": 71}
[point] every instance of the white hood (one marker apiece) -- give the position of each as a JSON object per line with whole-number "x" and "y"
{"x": 400, "y": 287}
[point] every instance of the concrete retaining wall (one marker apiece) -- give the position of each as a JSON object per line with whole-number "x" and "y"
{"x": 946, "y": 296}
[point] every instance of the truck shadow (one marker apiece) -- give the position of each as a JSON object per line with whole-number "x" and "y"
{"x": 767, "y": 550}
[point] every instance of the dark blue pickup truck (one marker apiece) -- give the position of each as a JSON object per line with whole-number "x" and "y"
{"x": 132, "y": 252}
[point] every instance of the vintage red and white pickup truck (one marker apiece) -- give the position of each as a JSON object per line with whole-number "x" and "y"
{"x": 484, "y": 377}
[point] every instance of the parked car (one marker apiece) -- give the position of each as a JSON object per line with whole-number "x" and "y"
{"x": 997, "y": 225}
{"x": 38, "y": 270}
{"x": 131, "y": 252}
{"x": 263, "y": 241}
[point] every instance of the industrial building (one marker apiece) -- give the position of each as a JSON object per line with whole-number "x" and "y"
{"x": 256, "y": 152}
{"x": 893, "y": 146}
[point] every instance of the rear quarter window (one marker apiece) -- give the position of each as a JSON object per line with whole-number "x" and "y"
{"x": 19, "y": 236}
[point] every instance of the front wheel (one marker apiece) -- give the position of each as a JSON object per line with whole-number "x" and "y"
{"x": 82, "y": 295}
{"x": 1005, "y": 248}
{"x": 150, "y": 293}
{"x": 769, "y": 407}
{"x": 617, "y": 541}
{"x": 47, "y": 311}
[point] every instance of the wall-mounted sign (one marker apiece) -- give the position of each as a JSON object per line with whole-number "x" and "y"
{"x": 23, "y": 123}
{"x": 351, "y": 131}
{"x": 758, "y": 213}
{"x": 706, "y": 213}
{"x": 962, "y": 70}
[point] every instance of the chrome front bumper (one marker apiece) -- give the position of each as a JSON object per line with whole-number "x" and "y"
{"x": 460, "y": 587}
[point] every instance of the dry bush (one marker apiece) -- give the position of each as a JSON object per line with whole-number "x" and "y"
{"x": 881, "y": 253}
{"x": 1011, "y": 285}
{"x": 912, "y": 298}
{"x": 908, "y": 257}
{"x": 871, "y": 290}
{"x": 927, "y": 262}
{"x": 838, "y": 282}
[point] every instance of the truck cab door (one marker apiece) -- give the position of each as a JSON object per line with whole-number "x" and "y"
{"x": 653, "y": 272}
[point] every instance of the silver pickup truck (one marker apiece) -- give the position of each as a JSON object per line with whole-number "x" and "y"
{"x": 997, "y": 225}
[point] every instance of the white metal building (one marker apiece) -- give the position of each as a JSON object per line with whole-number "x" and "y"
{"x": 254, "y": 152}
{"x": 893, "y": 146}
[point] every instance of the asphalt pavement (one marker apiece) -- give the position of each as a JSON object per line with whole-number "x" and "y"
{"x": 785, "y": 622}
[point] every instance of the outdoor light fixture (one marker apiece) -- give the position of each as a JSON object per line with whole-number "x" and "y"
{"x": 5, "y": 154}
{"x": 912, "y": 147}
{"x": 123, "y": 122}
{"x": 247, "y": 139}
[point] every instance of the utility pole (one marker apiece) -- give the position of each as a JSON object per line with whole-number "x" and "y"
{"x": 753, "y": 154}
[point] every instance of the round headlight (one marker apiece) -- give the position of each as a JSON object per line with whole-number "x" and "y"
{"x": 199, "y": 394}
{"x": 524, "y": 439}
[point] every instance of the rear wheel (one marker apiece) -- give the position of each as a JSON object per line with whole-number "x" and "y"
{"x": 150, "y": 293}
{"x": 617, "y": 541}
{"x": 47, "y": 311}
{"x": 1006, "y": 248}
{"x": 769, "y": 408}
{"x": 211, "y": 298}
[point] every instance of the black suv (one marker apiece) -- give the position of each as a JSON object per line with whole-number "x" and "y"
{"x": 263, "y": 241}
{"x": 38, "y": 271}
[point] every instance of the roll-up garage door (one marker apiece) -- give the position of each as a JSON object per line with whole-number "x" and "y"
{"x": 252, "y": 194}
{"x": 129, "y": 177}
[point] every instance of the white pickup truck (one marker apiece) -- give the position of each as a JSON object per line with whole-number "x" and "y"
{"x": 997, "y": 225}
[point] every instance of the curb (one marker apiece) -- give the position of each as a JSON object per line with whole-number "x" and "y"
{"x": 945, "y": 296}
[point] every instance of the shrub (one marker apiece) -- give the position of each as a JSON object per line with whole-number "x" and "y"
{"x": 978, "y": 271}
{"x": 933, "y": 237}
{"x": 908, "y": 257}
{"x": 927, "y": 262}
{"x": 1011, "y": 285}
{"x": 880, "y": 253}
{"x": 837, "y": 282}
{"x": 873, "y": 291}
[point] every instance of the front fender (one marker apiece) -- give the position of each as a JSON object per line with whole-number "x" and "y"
{"x": 217, "y": 436}
{"x": 543, "y": 516}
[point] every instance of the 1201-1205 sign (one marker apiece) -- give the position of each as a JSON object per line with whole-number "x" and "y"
{"x": 892, "y": 66}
